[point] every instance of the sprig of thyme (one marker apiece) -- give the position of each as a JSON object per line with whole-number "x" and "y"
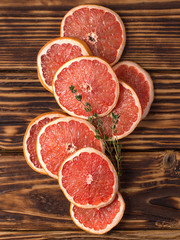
{"x": 100, "y": 132}
{"x": 87, "y": 106}
{"x": 116, "y": 144}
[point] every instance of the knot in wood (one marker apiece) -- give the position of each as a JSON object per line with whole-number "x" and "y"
{"x": 169, "y": 160}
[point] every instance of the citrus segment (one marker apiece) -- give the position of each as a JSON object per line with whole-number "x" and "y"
{"x": 93, "y": 79}
{"x": 60, "y": 138}
{"x": 88, "y": 178}
{"x": 99, "y": 220}
{"x": 54, "y": 54}
{"x": 101, "y": 28}
{"x": 30, "y": 138}
{"x": 139, "y": 80}
{"x": 129, "y": 109}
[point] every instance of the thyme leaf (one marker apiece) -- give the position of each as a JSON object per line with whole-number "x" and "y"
{"x": 78, "y": 97}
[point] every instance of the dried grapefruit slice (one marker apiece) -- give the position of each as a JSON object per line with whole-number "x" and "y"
{"x": 30, "y": 138}
{"x": 99, "y": 220}
{"x": 139, "y": 80}
{"x": 129, "y": 109}
{"x": 88, "y": 178}
{"x": 101, "y": 28}
{"x": 60, "y": 138}
{"x": 54, "y": 54}
{"x": 94, "y": 79}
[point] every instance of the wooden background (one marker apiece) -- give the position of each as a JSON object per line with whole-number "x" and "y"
{"x": 32, "y": 205}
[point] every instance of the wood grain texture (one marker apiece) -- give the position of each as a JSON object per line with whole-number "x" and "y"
{"x": 31, "y": 205}
{"x": 68, "y": 4}
{"x": 153, "y": 31}
{"x": 80, "y": 235}
{"x": 22, "y": 98}
{"x": 150, "y": 185}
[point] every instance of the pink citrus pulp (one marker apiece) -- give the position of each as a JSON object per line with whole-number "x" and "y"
{"x": 100, "y": 27}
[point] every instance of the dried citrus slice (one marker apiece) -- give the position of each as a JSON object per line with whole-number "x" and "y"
{"x": 54, "y": 54}
{"x": 101, "y": 28}
{"x": 60, "y": 138}
{"x": 30, "y": 138}
{"x": 94, "y": 80}
{"x": 139, "y": 80}
{"x": 99, "y": 220}
{"x": 129, "y": 109}
{"x": 88, "y": 178}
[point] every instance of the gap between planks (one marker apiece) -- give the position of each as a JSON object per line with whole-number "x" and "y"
{"x": 72, "y": 235}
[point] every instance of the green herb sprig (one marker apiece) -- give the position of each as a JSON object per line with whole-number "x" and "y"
{"x": 114, "y": 148}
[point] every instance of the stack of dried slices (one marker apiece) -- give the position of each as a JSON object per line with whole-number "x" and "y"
{"x": 101, "y": 102}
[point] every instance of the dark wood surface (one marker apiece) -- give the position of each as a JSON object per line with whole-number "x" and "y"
{"x": 80, "y": 235}
{"x": 32, "y": 205}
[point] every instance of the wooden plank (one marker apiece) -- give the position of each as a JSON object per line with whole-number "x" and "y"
{"x": 150, "y": 185}
{"x": 22, "y": 98}
{"x": 68, "y": 4}
{"x": 152, "y": 31}
{"x": 72, "y": 235}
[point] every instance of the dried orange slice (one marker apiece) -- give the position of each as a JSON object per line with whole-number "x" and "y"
{"x": 54, "y": 54}
{"x": 140, "y": 80}
{"x": 129, "y": 109}
{"x": 100, "y": 27}
{"x": 60, "y": 138}
{"x": 88, "y": 179}
{"x": 30, "y": 138}
{"x": 99, "y": 220}
{"x": 94, "y": 80}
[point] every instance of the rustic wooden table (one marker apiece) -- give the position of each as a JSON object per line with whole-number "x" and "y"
{"x": 32, "y": 205}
